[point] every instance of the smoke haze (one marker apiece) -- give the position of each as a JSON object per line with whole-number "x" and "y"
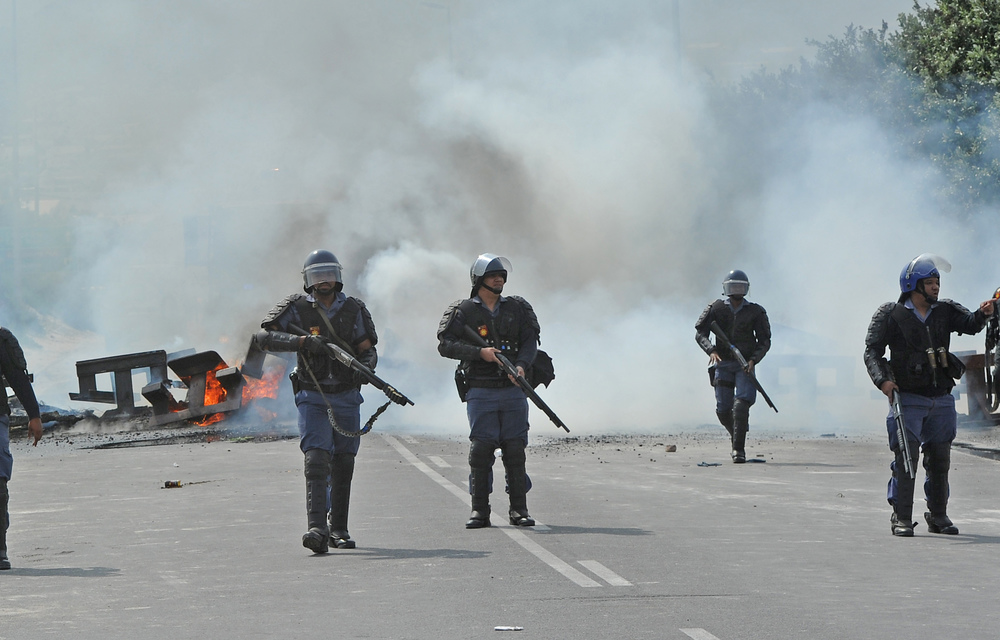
{"x": 213, "y": 145}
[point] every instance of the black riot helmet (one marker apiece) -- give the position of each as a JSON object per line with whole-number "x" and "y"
{"x": 488, "y": 263}
{"x": 321, "y": 266}
{"x": 736, "y": 284}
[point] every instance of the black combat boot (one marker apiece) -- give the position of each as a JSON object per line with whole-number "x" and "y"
{"x": 317, "y": 469}
{"x": 479, "y": 480}
{"x": 4, "y": 521}
{"x": 481, "y": 461}
{"x": 517, "y": 482}
{"x": 726, "y": 420}
{"x": 937, "y": 463}
{"x": 901, "y": 522}
{"x": 741, "y": 424}
{"x": 341, "y": 476}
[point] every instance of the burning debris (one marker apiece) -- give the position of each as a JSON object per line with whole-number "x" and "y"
{"x": 213, "y": 388}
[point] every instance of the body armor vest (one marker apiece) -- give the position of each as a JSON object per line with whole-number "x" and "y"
{"x": 324, "y": 367}
{"x": 502, "y": 332}
{"x": 913, "y": 366}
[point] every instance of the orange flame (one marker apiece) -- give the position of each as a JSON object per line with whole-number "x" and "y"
{"x": 266, "y": 387}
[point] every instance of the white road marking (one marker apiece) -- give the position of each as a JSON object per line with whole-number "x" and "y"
{"x": 441, "y": 464}
{"x": 409, "y": 439}
{"x": 698, "y": 634}
{"x": 517, "y": 536}
{"x": 605, "y": 574}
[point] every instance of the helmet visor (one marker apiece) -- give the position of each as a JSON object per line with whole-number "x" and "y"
{"x": 735, "y": 287}
{"x": 323, "y": 272}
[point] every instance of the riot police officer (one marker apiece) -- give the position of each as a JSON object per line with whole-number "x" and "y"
{"x": 14, "y": 370}
{"x": 323, "y": 388}
{"x": 917, "y": 330}
{"x": 496, "y": 406}
{"x": 746, "y": 326}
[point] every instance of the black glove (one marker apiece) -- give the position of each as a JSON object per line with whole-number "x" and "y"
{"x": 314, "y": 344}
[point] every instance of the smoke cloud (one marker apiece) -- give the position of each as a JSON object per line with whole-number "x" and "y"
{"x": 212, "y": 147}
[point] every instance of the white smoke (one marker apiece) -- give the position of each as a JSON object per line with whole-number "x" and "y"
{"x": 409, "y": 137}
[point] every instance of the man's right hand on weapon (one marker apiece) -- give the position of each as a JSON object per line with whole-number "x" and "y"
{"x": 888, "y": 387}
{"x": 489, "y": 354}
{"x": 313, "y": 344}
{"x": 714, "y": 358}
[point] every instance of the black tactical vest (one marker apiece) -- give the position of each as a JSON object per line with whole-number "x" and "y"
{"x": 324, "y": 367}
{"x": 910, "y": 361}
{"x": 502, "y": 332}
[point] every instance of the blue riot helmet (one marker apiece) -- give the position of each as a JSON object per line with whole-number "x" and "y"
{"x": 736, "y": 284}
{"x": 926, "y": 265}
{"x": 488, "y": 263}
{"x": 321, "y": 266}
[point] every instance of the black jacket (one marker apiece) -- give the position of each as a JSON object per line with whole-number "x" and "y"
{"x": 908, "y": 339}
{"x": 749, "y": 330}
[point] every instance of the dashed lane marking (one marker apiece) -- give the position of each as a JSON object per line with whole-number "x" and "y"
{"x": 698, "y": 634}
{"x": 529, "y": 545}
{"x": 605, "y": 574}
{"x": 440, "y": 462}
{"x": 409, "y": 439}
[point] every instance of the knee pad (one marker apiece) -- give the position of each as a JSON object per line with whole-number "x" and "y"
{"x": 513, "y": 453}
{"x": 317, "y": 464}
{"x": 937, "y": 457}
{"x": 481, "y": 454}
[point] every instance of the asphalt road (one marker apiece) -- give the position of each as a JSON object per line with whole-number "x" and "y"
{"x": 633, "y": 542}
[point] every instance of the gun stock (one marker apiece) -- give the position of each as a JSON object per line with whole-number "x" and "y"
{"x": 511, "y": 370}
{"x": 720, "y": 335}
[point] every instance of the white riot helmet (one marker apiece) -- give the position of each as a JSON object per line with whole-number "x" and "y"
{"x": 487, "y": 263}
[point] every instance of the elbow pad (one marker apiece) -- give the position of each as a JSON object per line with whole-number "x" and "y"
{"x": 276, "y": 340}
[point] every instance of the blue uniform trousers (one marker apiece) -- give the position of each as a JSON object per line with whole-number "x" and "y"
{"x": 496, "y": 415}
{"x": 927, "y": 421}
{"x": 315, "y": 431}
{"x": 732, "y": 381}
{"x": 6, "y": 460}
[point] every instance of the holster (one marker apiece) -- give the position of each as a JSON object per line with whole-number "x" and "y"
{"x": 461, "y": 383}
{"x": 956, "y": 368}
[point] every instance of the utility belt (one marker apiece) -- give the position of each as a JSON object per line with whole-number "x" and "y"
{"x": 488, "y": 383}
{"x": 306, "y": 385}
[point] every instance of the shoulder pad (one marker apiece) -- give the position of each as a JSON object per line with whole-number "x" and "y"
{"x": 279, "y": 309}
{"x": 529, "y": 313}
{"x": 13, "y": 347}
{"x": 366, "y": 318}
{"x": 953, "y": 304}
{"x": 449, "y": 315}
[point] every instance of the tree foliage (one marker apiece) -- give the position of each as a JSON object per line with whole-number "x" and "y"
{"x": 934, "y": 83}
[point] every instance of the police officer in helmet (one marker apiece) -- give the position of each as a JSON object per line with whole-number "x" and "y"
{"x": 496, "y": 406}
{"x": 917, "y": 331}
{"x": 746, "y": 326}
{"x": 14, "y": 370}
{"x": 323, "y": 385}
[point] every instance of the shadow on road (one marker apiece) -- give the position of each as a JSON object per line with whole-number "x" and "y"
{"x": 67, "y": 572}
{"x": 608, "y": 531}
{"x": 404, "y": 554}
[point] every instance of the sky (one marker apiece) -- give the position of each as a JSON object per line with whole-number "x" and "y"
{"x": 219, "y": 143}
